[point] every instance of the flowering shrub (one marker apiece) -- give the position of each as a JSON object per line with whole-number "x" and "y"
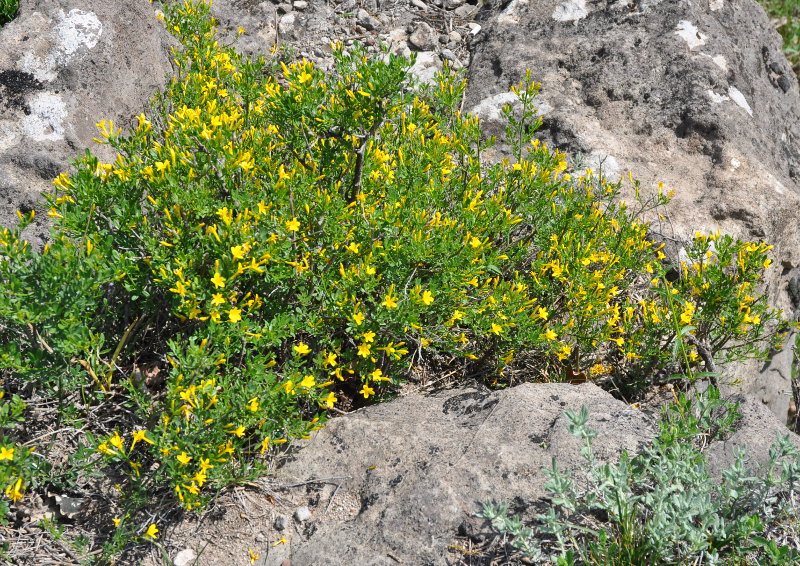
{"x": 274, "y": 242}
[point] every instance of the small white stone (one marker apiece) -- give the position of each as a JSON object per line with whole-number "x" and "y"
{"x": 715, "y": 5}
{"x": 300, "y": 5}
{"x": 302, "y": 514}
{"x": 184, "y": 557}
{"x": 735, "y": 163}
{"x": 570, "y": 11}
{"x": 474, "y": 28}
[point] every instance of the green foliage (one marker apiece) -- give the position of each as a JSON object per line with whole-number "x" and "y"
{"x": 786, "y": 14}
{"x": 272, "y": 242}
{"x": 8, "y": 9}
{"x": 663, "y": 506}
{"x": 18, "y": 466}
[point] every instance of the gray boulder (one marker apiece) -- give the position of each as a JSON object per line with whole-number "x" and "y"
{"x": 697, "y": 95}
{"x": 65, "y": 66}
{"x": 419, "y": 467}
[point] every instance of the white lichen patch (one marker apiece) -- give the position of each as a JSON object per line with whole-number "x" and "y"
{"x": 570, "y": 11}
{"x": 737, "y": 96}
{"x": 491, "y": 109}
{"x": 77, "y": 29}
{"x": 716, "y": 98}
{"x": 46, "y": 120}
{"x": 604, "y": 164}
{"x": 716, "y": 5}
{"x": 70, "y": 33}
{"x": 511, "y": 14}
{"x": 718, "y": 60}
{"x": 687, "y": 31}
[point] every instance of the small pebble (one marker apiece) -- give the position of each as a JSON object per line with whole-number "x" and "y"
{"x": 423, "y": 37}
{"x": 367, "y": 21}
{"x": 420, "y": 4}
{"x": 184, "y": 557}
{"x": 302, "y": 514}
{"x": 300, "y": 5}
{"x": 280, "y": 522}
{"x": 454, "y": 36}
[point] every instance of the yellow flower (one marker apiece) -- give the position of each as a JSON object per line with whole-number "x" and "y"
{"x": 293, "y": 225}
{"x": 550, "y": 335}
{"x": 217, "y": 299}
{"x": 496, "y": 329}
{"x": 179, "y": 288}
{"x": 116, "y": 441}
{"x": 238, "y": 252}
{"x": 686, "y": 315}
{"x": 14, "y": 491}
{"x": 427, "y": 298}
{"x": 252, "y": 404}
{"x": 358, "y": 318}
{"x": 330, "y": 359}
{"x": 6, "y": 453}
{"x": 302, "y": 349}
{"x": 117, "y": 521}
{"x": 138, "y": 436}
{"x": 475, "y": 242}
{"x": 542, "y": 313}
{"x": 218, "y": 280}
{"x": 235, "y": 314}
{"x": 364, "y": 349}
{"x": 353, "y": 247}
{"x": 152, "y": 531}
{"x": 389, "y": 302}
{"x": 308, "y": 382}
{"x": 183, "y": 458}
{"x": 366, "y": 391}
{"x": 238, "y": 431}
{"x": 253, "y": 555}
{"x": 377, "y": 375}
{"x": 369, "y": 337}
{"x": 330, "y": 400}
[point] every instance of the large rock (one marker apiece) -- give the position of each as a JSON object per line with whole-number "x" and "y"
{"x": 400, "y": 482}
{"x": 697, "y": 95}
{"x": 64, "y": 66}
{"x": 420, "y": 467}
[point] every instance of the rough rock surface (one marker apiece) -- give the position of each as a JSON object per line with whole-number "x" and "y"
{"x": 64, "y": 66}
{"x": 399, "y": 482}
{"x": 697, "y": 95}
